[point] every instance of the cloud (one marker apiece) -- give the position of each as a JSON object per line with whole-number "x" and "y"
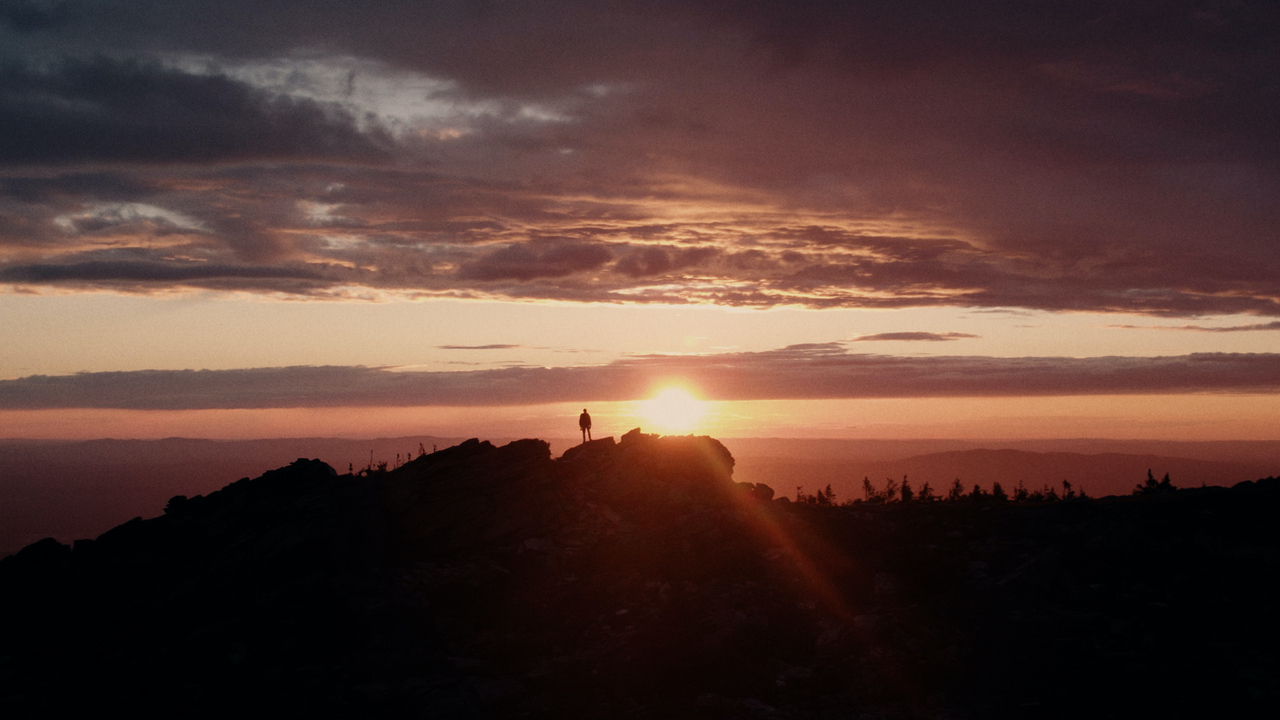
{"x": 874, "y": 154}
{"x": 650, "y": 261}
{"x": 147, "y": 272}
{"x": 797, "y": 372}
{"x": 1255, "y": 327}
{"x": 530, "y": 261}
{"x": 106, "y": 186}
{"x": 28, "y": 16}
{"x": 925, "y": 336}
{"x": 79, "y": 111}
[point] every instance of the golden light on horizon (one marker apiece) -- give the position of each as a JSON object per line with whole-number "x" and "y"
{"x": 672, "y": 411}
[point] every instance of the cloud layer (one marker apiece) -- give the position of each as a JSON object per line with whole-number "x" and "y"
{"x": 1252, "y": 327}
{"x": 1088, "y": 156}
{"x": 915, "y": 336}
{"x": 797, "y": 372}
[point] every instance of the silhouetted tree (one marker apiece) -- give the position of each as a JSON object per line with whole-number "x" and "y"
{"x": 1020, "y": 493}
{"x": 1067, "y": 492}
{"x": 825, "y": 496}
{"x": 890, "y": 489}
{"x": 926, "y": 493}
{"x": 1152, "y": 487}
{"x": 908, "y": 495}
{"x": 998, "y": 494}
{"x": 957, "y": 491}
{"x": 869, "y": 492}
{"x": 977, "y": 494}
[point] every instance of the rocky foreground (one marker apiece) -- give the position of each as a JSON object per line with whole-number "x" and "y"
{"x": 637, "y": 579}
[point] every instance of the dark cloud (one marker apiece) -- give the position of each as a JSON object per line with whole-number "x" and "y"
{"x": 652, "y": 261}
{"x": 798, "y": 372}
{"x": 150, "y": 272}
{"x": 28, "y": 15}
{"x": 531, "y": 261}
{"x": 103, "y": 109}
{"x": 1095, "y": 156}
{"x": 924, "y": 336}
{"x": 109, "y": 186}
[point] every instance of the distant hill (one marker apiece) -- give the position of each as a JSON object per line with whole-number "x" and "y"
{"x": 831, "y": 450}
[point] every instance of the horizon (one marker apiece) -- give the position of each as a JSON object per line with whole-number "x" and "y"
{"x": 902, "y": 222}
{"x": 1184, "y": 419}
{"x": 75, "y": 489}
{"x": 569, "y": 441}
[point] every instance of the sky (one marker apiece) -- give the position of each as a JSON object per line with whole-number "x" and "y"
{"x": 828, "y": 219}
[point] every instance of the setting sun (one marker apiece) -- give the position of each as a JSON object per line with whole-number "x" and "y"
{"x": 673, "y": 411}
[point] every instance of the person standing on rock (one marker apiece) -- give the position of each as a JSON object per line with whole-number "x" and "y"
{"x": 584, "y": 424}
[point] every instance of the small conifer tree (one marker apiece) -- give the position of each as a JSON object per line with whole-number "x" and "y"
{"x": 827, "y": 496}
{"x": 1020, "y": 493}
{"x": 890, "y": 489}
{"x": 908, "y": 495}
{"x": 869, "y": 492}
{"x": 1154, "y": 487}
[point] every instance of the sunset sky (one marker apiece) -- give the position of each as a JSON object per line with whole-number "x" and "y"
{"x": 875, "y": 219}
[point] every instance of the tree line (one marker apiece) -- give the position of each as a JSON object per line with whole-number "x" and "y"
{"x": 894, "y": 491}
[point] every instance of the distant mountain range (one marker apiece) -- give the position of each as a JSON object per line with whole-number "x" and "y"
{"x": 78, "y": 489}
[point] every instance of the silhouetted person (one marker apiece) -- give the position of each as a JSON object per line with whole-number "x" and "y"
{"x": 584, "y": 424}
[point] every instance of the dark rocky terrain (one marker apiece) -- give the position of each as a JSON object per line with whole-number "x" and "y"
{"x": 638, "y": 580}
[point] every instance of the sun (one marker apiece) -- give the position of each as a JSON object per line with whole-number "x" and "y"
{"x": 673, "y": 411}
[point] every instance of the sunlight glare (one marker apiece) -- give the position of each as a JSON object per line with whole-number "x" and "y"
{"x": 674, "y": 410}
